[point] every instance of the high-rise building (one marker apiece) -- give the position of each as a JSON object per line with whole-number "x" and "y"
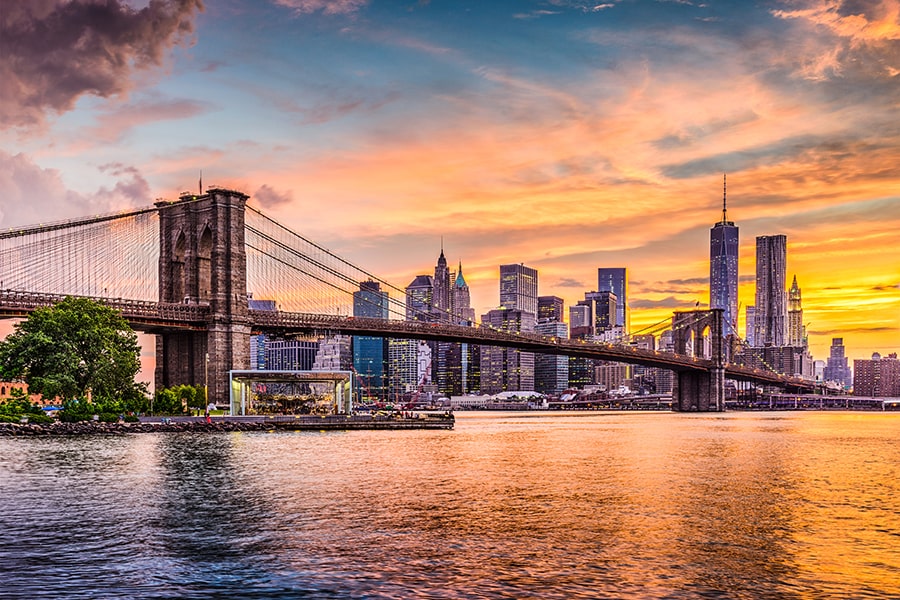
{"x": 796, "y": 332}
{"x": 837, "y": 369}
{"x": 750, "y": 325}
{"x": 551, "y": 372}
{"x": 771, "y": 290}
{"x": 550, "y": 308}
{"x": 420, "y": 299}
{"x": 877, "y": 378}
{"x": 441, "y": 295}
{"x": 518, "y": 288}
{"x": 460, "y": 301}
{"x": 370, "y": 354}
{"x": 723, "y": 269}
{"x": 606, "y": 313}
{"x": 615, "y": 280}
{"x": 507, "y": 369}
{"x": 461, "y": 360}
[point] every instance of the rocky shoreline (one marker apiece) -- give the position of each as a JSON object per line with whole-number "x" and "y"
{"x": 98, "y": 428}
{"x": 226, "y": 424}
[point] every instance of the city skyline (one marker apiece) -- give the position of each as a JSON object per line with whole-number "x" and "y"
{"x": 563, "y": 135}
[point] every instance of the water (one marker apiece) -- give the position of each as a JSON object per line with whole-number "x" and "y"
{"x": 508, "y": 505}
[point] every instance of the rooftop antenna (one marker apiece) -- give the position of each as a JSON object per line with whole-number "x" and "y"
{"x": 724, "y": 190}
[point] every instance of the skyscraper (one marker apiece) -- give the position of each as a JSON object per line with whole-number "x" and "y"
{"x": 723, "y": 269}
{"x": 420, "y": 299}
{"x": 836, "y": 369}
{"x": 796, "y": 334}
{"x": 771, "y": 290}
{"x": 370, "y": 354}
{"x": 550, "y": 308}
{"x": 441, "y": 296}
{"x": 615, "y": 280}
{"x": 460, "y": 301}
{"x": 518, "y": 288}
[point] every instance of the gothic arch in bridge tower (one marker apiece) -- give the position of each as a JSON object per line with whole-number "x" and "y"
{"x": 177, "y": 267}
{"x": 204, "y": 265}
{"x": 699, "y": 333}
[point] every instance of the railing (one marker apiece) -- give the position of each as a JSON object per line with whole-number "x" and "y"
{"x": 133, "y": 310}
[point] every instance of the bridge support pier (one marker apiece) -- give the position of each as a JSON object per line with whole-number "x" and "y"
{"x": 203, "y": 260}
{"x": 699, "y": 333}
{"x": 698, "y": 391}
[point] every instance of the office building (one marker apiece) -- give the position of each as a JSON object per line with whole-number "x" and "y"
{"x": 458, "y": 363}
{"x": 771, "y": 290}
{"x": 837, "y": 369}
{"x": 420, "y": 299}
{"x": 370, "y": 354}
{"x": 290, "y": 355}
{"x": 750, "y": 325}
{"x": 878, "y": 377}
{"x": 551, "y": 372}
{"x": 442, "y": 291}
{"x": 507, "y": 369}
{"x": 615, "y": 280}
{"x": 518, "y": 288}
{"x": 550, "y": 308}
{"x": 723, "y": 269}
{"x": 460, "y": 300}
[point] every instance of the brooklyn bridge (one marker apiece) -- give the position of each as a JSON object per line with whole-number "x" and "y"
{"x": 184, "y": 271}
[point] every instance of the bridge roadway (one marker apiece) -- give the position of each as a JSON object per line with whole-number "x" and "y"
{"x": 156, "y": 317}
{"x": 287, "y": 323}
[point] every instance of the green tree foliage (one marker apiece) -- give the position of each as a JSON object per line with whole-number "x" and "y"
{"x": 179, "y": 399}
{"x": 73, "y": 348}
{"x": 18, "y": 406}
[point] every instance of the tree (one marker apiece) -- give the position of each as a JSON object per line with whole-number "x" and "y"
{"x": 73, "y": 348}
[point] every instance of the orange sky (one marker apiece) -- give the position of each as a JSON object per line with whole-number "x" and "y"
{"x": 564, "y": 135}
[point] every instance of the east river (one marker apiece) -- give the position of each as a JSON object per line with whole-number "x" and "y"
{"x": 507, "y": 505}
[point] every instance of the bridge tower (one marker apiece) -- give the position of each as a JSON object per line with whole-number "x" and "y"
{"x": 203, "y": 260}
{"x": 700, "y": 333}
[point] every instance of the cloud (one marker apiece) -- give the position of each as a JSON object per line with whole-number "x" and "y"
{"x": 31, "y": 193}
{"x": 863, "y": 36}
{"x": 115, "y": 122}
{"x": 268, "y": 197}
{"x": 667, "y": 302}
{"x": 328, "y": 7}
{"x": 55, "y": 51}
{"x": 569, "y": 282}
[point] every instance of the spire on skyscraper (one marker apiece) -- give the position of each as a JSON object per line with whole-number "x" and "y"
{"x": 724, "y": 190}
{"x": 460, "y": 280}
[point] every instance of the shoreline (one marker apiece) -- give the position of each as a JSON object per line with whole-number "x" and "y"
{"x": 229, "y": 424}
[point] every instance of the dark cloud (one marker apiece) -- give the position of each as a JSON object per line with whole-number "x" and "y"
{"x": 55, "y": 51}
{"x": 667, "y": 302}
{"x": 569, "y": 282}
{"x": 846, "y": 330}
{"x": 268, "y": 197}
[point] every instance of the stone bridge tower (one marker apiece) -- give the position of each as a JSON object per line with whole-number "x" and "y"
{"x": 203, "y": 261}
{"x": 700, "y": 333}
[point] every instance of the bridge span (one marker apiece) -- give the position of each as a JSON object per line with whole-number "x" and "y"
{"x": 192, "y": 262}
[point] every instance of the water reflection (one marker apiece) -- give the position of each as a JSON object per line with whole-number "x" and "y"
{"x": 504, "y": 506}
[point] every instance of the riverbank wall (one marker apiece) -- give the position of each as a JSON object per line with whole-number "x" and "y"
{"x": 225, "y": 424}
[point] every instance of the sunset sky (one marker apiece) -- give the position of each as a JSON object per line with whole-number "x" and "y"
{"x": 560, "y": 134}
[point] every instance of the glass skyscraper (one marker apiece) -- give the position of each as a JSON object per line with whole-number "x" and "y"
{"x": 615, "y": 280}
{"x": 370, "y": 354}
{"x": 723, "y": 270}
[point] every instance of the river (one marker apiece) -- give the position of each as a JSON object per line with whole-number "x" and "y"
{"x": 506, "y": 505}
